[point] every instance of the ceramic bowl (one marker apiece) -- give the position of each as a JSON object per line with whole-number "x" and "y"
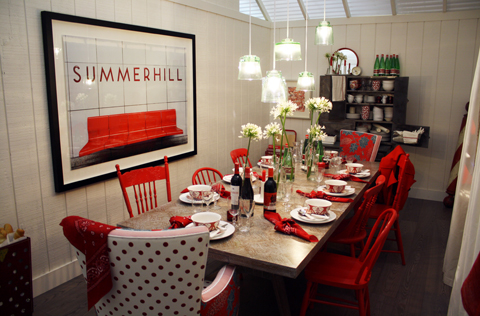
{"x": 207, "y": 219}
{"x": 387, "y": 85}
{"x": 267, "y": 160}
{"x": 318, "y": 206}
{"x": 354, "y": 167}
{"x": 196, "y": 191}
{"x": 335, "y": 186}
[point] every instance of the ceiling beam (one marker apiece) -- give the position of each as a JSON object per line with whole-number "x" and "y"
{"x": 303, "y": 8}
{"x": 346, "y": 8}
{"x": 264, "y": 10}
{"x": 394, "y": 7}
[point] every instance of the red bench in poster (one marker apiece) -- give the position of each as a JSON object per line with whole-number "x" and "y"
{"x": 109, "y": 131}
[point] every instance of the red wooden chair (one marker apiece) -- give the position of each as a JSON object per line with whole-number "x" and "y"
{"x": 347, "y": 272}
{"x": 206, "y": 175}
{"x": 363, "y": 146}
{"x": 352, "y": 231}
{"x": 405, "y": 180}
{"x": 239, "y": 155}
{"x": 144, "y": 188}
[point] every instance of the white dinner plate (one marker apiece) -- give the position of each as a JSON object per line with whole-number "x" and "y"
{"x": 331, "y": 217}
{"x": 261, "y": 165}
{"x": 185, "y": 197}
{"x": 362, "y": 174}
{"x": 241, "y": 172}
{"x": 258, "y": 198}
{"x": 216, "y": 234}
{"x": 227, "y": 178}
{"x": 348, "y": 191}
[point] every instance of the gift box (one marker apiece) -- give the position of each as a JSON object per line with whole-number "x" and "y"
{"x": 16, "y": 292}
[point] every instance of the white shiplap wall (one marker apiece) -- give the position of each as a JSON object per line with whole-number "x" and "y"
{"x": 27, "y": 192}
{"x": 437, "y": 53}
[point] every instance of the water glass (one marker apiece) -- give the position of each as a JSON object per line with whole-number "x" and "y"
{"x": 207, "y": 197}
{"x": 217, "y": 189}
{"x": 287, "y": 195}
{"x": 319, "y": 175}
{"x": 233, "y": 212}
{"x": 335, "y": 163}
{"x": 246, "y": 211}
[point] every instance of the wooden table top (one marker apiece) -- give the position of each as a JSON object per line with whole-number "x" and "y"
{"x": 262, "y": 248}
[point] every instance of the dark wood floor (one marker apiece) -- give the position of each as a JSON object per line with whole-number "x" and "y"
{"x": 414, "y": 289}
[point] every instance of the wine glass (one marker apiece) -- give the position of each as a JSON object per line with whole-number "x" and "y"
{"x": 319, "y": 175}
{"x": 217, "y": 189}
{"x": 246, "y": 210}
{"x": 207, "y": 196}
{"x": 233, "y": 212}
{"x": 335, "y": 162}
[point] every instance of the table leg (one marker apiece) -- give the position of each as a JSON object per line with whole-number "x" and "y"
{"x": 281, "y": 295}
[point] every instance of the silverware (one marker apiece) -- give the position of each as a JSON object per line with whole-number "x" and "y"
{"x": 303, "y": 212}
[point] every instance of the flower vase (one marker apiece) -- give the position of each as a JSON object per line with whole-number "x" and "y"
{"x": 313, "y": 155}
{"x": 329, "y": 70}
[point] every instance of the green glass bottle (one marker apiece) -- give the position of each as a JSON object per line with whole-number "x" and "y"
{"x": 287, "y": 164}
{"x": 388, "y": 65}
{"x": 320, "y": 150}
{"x": 382, "y": 67}
{"x": 397, "y": 67}
{"x": 376, "y": 67}
{"x": 393, "y": 65}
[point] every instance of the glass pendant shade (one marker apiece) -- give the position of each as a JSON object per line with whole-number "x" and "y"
{"x": 305, "y": 81}
{"x": 324, "y": 34}
{"x": 274, "y": 87}
{"x": 249, "y": 68}
{"x": 287, "y": 49}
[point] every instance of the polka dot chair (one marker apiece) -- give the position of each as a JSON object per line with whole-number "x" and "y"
{"x": 363, "y": 146}
{"x": 162, "y": 273}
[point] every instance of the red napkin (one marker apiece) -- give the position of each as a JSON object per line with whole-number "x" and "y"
{"x": 345, "y": 177}
{"x": 179, "y": 221}
{"x": 322, "y": 195}
{"x": 90, "y": 238}
{"x": 288, "y": 226}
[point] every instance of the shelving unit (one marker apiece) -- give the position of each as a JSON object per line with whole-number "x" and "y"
{"x": 337, "y": 120}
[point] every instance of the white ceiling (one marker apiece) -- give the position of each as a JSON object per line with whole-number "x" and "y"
{"x": 278, "y": 10}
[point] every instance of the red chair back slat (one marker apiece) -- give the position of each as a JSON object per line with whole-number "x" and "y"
{"x": 369, "y": 255}
{"x": 143, "y": 183}
{"x": 239, "y": 155}
{"x": 206, "y": 175}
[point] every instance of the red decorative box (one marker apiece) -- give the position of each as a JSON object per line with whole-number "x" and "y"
{"x": 16, "y": 293}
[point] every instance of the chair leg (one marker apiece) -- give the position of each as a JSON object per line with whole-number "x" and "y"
{"x": 361, "y": 302}
{"x": 367, "y": 300}
{"x": 398, "y": 236}
{"x": 352, "y": 250}
{"x": 306, "y": 298}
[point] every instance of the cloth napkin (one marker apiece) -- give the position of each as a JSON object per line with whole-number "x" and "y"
{"x": 288, "y": 226}
{"x": 345, "y": 177}
{"x": 179, "y": 221}
{"x": 90, "y": 238}
{"x": 322, "y": 195}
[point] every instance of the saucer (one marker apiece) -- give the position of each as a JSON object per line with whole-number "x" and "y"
{"x": 348, "y": 191}
{"x": 185, "y": 197}
{"x": 294, "y": 213}
{"x": 214, "y": 235}
{"x": 258, "y": 198}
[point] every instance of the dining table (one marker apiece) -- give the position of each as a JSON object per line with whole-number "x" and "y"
{"x": 262, "y": 250}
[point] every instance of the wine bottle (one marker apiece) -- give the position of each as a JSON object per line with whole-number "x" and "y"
{"x": 236, "y": 183}
{"x": 376, "y": 67}
{"x": 381, "y": 71}
{"x": 388, "y": 65}
{"x": 270, "y": 193}
{"x": 246, "y": 190}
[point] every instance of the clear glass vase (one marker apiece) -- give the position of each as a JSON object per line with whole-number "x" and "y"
{"x": 313, "y": 155}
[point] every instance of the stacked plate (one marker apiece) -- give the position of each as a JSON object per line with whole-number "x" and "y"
{"x": 353, "y": 116}
{"x": 361, "y": 128}
{"x": 370, "y": 99}
{"x": 377, "y": 113}
{"x": 385, "y": 136}
{"x": 388, "y": 114}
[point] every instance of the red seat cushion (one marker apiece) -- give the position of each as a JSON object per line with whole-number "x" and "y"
{"x": 358, "y": 144}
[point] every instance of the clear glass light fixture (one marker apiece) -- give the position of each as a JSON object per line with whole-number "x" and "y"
{"x": 305, "y": 81}
{"x": 274, "y": 87}
{"x": 288, "y": 50}
{"x": 249, "y": 65}
{"x": 324, "y": 31}
{"x": 249, "y": 68}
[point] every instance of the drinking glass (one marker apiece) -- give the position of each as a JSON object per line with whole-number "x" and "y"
{"x": 287, "y": 194}
{"x": 207, "y": 196}
{"x": 246, "y": 210}
{"x": 335, "y": 163}
{"x": 319, "y": 175}
{"x": 233, "y": 212}
{"x": 216, "y": 188}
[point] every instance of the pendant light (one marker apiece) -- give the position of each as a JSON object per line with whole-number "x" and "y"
{"x": 288, "y": 49}
{"x": 324, "y": 31}
{"x": 305, "y": 81}
{"x": 274, "y": 86}
{"x": 249, "y": 65}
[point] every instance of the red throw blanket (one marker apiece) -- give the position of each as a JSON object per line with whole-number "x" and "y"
{"x": 322, "y": 195}
{"x": 345, "y": 177}
{"x": 288, "y": 226}
{"x": 90, "y": 238}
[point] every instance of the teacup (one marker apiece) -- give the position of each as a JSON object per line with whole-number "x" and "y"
{"x": 267, "y": 160}
{"x": 335, "y": 186}
{"x": 354, "y": 167}
{"x": 196, "y": 191}
{"x": 350, "y": 98}
{"x": 329, "y": 154}
{"x": 318, "y": 206}
{"x": 207, "y": 219}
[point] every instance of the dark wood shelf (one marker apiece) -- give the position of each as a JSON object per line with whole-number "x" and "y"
{"x": 371, "y": 103}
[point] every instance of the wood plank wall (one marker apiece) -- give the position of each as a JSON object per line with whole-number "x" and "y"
{"x": 27, "y": 191}
{"x": 439, "y": 54}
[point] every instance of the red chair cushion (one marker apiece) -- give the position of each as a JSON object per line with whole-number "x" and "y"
{"x": 358, "y": 144}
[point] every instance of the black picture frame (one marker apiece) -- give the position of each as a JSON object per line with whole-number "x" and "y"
{"x": 70, "y": 174}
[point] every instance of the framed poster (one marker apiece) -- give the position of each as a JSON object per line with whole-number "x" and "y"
{"x": 117, "y": 94}
{"x": 298, "y": 97}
